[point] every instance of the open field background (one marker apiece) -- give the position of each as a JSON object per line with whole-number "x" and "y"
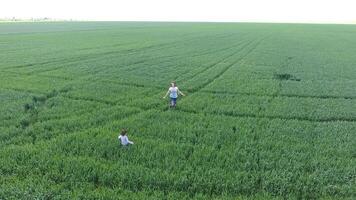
{"x": 270, "y": 111}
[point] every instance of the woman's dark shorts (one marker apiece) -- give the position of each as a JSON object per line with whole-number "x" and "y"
{"x": 174, "y": 101}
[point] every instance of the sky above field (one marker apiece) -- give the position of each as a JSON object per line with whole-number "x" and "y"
{"x": 310, "y": 11}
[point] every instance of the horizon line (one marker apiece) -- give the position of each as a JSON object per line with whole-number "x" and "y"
{"x": 45, "y": 19}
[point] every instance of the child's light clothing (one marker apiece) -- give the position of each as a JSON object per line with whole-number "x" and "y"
{"x": 124, "y": 140}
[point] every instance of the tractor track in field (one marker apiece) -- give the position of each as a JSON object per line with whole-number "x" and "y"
{"x": 296, "y": 79}
{"x": 91, "y": 72}
{"x": 198, "y": 89}
{"x": 103, "y": 46}
{"x": 223, "y": 71}
{"x": 221, "y": 60}
{"x": 273, "y": 117}
{"x": 38, "y": 75}
{"x": 137, "y": 85}
{"x": 217, "y": 50}
{"x": 59, "y": 93}
{"x": 80, "y": 129}
{"x": 23, "y": 91}
{"x": 278, "y": 95}
{"x": 328, "y": 79}
{"x": 231, "y": 114}
{"x": 112, "y": 103}
{"x": 68, "y": 156}
{"x": 217, "y": 113}
{"x": 211, "y": 91}
{"x": 85, "y": 57}
{"x": 168, "y": 59}
{"x": 241, "y": 58}
{"x": 255, "y": 138}
{"x": 92, "y": 56}
{"x": 178, "y": 56}
{"x": 133, "y": 84}
{"x": 191, "y": 56}
{"x": 79, "y": 59}
{"x": 262, "y": 125}
{"x": 88, "y": 57}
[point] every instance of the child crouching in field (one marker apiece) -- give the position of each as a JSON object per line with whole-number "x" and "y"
{"x": 124, "y": 139}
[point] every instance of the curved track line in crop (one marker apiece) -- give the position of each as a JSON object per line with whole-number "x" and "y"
{"x": 231, "y": 114}
{"x": 93, "y": 56}
{"x": 90, "y": 56}
{"x": 167, "y": 44}
{"x": 108, "y": 161}
{"x": 72, "y": 62}
{"x": 153, "y": 185}
{"x": 137, "y": 85}
{"x": 238, "y": 60}
{"x": 36, "y": 120}
{"x": 209, "y": 66}
{"x": 220, "y": 60}
{"x": 178, "y": 56}
{"x": 104, "y": 46}
{"x": 183, "y": 55}
{"x": 271, "y": 117}
{"x": 75, "y": 130}
{"x": 112, "y": 103}
{"x": 132, "y": 84}
{"x": 198, "y": 88}
{"x": 84, "y": 57}
{"x": 167, "y": 57}
{"x": 278, "y": 95}
{"x": 23, "y": 90}
{"x": 326, "y": 79}
{"x": 217, "y": 50}
{"x": 91, "y": 72}
{"x": 37, "y": 75}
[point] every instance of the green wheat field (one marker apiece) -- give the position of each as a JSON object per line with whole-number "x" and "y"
{"x": 269, "y": 111}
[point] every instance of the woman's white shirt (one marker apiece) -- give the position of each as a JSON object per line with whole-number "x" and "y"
{"x": 173, "y": 92}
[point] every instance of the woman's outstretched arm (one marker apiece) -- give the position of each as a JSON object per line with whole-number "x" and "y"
{"x": 166, "y": 94}
{"x": 181, "y": 93}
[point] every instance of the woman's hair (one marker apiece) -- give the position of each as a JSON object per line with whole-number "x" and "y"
{"x": 174, "y": 83}
{"x": 123, "y": 131}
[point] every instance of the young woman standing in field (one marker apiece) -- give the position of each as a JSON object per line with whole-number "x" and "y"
{"x": 124, "y": 139}
{"x": 173, "y": 92}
